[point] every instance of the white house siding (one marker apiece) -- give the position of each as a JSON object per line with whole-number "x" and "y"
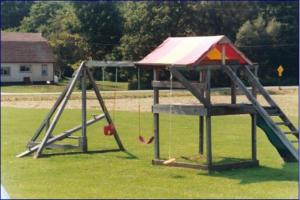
{"x": 35, "y": 74}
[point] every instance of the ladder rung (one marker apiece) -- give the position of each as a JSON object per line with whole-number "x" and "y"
{"x": 282, "y": 123}
{"x": 291, "y": 132}
{"x": 275, "y": 114}
{"x": 73, "y": 137}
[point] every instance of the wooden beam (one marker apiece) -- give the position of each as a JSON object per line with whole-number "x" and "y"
{"x": 253, "y": 137}
{"x": 179, "y": 164}
{"x": 263, "y": 113}
{"x": 156, "y": 116}
{"x": 61, "y": 136}
{"x": 60, "y": 110}
{"x": 83, "y": 144}
{"x": 207, "y": 91}
{"x": 179, "y": 109}
{"x": 194, "y": 90}
{"x": 215, "y": 167}
{"x": 254, "y": 81}
{"x": 175, "y": 84}
{"x": 201, "y": 134}
{"x": 113, "y": 64}
{"x": 235, "y": 165}
{"x": 208, "y": 142}
{"x": 50, "y": 114}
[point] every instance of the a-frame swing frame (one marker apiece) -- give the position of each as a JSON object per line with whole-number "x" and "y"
{"x": 81, "y": 74}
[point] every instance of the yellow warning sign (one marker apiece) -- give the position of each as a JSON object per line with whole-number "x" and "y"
{"x": 280, "y": 70}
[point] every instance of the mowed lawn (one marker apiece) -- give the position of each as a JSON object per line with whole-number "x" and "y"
{"x": 40, "y": 88}
{"x": 131, "y": 175}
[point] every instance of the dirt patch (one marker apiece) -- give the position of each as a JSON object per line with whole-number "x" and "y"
{"x": 288, "y": 102}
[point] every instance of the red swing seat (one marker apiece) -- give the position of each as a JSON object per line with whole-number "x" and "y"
{"x": 109, "y": 130}
{"x": 143, "y": 141}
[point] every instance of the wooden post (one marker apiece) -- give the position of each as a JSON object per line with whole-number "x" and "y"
{"x": 201, "y": 80}
{"x": 253, "y": 85}
{"x": 201, "y": 118}
{"x": 59, "y": 112}
{"x": 83, "y": 112}
{"x": 208, "y": 76}
{"x": 253, "y": 123}
{"x": 156, "y": 117}
{"x": 233, "y": 92}
{"x": 51, "y": 112}
{"x": 201, "y": 133}
{"x": 208, "y": 142}
{"x": 253, "y": 137}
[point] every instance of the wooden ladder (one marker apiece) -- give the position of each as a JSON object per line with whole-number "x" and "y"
{"x": 274, "y": 126}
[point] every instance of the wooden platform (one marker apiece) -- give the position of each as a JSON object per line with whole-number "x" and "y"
{"x": 215, "y": 109}
{"x": 214, "y": 167}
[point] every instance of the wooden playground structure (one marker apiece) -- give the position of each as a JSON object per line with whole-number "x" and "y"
{"x": 201, "y": 55}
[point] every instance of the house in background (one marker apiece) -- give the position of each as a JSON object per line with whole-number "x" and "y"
{"x": 26, "y": 58}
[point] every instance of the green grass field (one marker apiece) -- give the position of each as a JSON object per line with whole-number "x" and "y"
{"x": 131, "y": 175}
{"x": 106, "y": 85}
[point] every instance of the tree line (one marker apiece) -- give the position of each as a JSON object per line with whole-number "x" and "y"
{"x": 266, "y": 32}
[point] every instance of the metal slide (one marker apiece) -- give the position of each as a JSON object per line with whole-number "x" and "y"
{"x": 264, "y": 120}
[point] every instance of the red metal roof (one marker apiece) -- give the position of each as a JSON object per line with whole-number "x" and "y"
{"x": 191, "y": 51}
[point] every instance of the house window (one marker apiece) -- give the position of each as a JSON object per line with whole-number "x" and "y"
{"x": 25, "y": 68}
{"x": 5, "y": 71}
{"x": 44, "y": 70}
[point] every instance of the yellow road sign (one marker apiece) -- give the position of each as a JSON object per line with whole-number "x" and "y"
{"x": 280, "y": 70}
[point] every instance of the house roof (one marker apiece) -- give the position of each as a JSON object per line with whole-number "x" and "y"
{"x": 19, "y": 47}
{"x": 192, "y": 51}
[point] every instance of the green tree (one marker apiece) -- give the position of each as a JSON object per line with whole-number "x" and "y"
{"x": 39, "y": 15}
{"x": 59, "y": 24}
{"x": 12, "y": 13}
{"x": 101, "y": 25}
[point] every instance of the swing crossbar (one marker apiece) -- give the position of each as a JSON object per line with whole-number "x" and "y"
{"x": 112, "y": 64}
{"x": 61, "y": 136}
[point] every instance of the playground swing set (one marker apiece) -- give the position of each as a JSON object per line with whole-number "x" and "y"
{"x": 199, "y": 55}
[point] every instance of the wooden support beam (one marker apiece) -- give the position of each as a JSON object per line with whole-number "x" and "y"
{"x": 215, "y": 167}
{"x": 60, "y": 110}
{"x": 104, "y": 109}
{"x": 233, "y": 92}
{"x": 83, "y": 144}
{"x": 215, "y": 110}
{"x": 253, "y": 137}
{"x": 208, "y": 82}
{"x": 175, "y": 84}
{"x": 194, "y": 90}
{"x": 113, "y": 64}
{"x": 254, "y": 81}
{"x": 156, "y": 116}
{"x": 235, "y": 165}
{"x": 201, "y": 134}
{"x": 208, "y": 142}
{"x": 202, "y": 80}
{"x": 61, "y": 136}
{"x": 263, "y": 113}
{"x": 50, "y": 114}
{"x": 180, "y": 164}
{"x": 179, "y": 109}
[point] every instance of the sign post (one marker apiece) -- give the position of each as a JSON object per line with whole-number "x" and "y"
{"x": 280, "y": 70}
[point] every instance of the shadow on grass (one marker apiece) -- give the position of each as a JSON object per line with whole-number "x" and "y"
{"x": 288, "y": 172}
{"x": 127, "y": 156}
